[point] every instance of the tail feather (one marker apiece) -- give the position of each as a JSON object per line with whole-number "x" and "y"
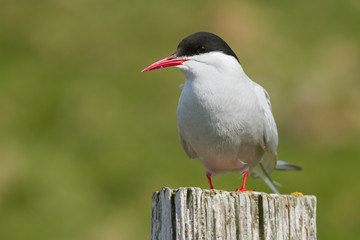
{"x": 260, "y": 171}
{"x": 281, "y": 165}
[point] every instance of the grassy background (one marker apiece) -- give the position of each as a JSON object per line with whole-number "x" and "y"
{"x": 86, "y": 138}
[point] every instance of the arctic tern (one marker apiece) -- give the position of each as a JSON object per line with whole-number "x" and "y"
{"x": 223, "y": 117}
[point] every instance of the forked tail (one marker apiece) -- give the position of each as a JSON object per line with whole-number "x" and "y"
{"x": 259, "y": 171}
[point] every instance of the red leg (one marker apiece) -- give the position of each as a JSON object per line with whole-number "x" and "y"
{"x": 208, "y": 175}
{"x": 242, "y": 189}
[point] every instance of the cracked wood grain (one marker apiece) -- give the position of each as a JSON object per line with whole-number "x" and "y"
{"x": 194, "y": 213}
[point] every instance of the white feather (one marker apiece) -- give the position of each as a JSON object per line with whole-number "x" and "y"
{"x": 224, "y": 118}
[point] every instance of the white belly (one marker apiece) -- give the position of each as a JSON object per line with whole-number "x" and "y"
{"x": 222, "y": 125}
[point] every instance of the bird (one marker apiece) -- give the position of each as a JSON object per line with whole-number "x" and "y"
{"x": 223, "y": 117}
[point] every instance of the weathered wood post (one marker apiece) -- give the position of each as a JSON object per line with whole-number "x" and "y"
{"x": 194, "y": 213}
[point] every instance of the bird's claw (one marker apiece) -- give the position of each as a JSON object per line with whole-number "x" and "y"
{"x": 244, "y": 190}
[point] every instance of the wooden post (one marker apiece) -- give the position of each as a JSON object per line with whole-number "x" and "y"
{"x": 194, "y": 213}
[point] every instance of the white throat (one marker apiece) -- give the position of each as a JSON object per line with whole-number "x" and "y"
{"x": 213, "y": 65}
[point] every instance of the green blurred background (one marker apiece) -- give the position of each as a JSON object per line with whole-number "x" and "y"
{"x": 86, "y": 138}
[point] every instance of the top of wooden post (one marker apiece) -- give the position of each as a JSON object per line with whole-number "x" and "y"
{"x": 194, "y": 213}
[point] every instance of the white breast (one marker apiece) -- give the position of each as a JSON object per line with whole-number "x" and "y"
{"x": 219, "y": 119}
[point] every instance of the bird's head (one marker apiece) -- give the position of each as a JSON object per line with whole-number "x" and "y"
{"x": 201, "y": 51}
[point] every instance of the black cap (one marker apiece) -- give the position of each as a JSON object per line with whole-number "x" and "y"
{"x": 203, "y": 42}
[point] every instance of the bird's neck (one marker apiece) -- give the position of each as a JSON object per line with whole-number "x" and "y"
{"x": 229, "y": 73}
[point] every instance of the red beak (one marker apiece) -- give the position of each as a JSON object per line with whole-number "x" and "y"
{"x": 165, "y": 62}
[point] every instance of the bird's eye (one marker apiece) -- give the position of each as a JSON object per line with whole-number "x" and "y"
{"x": 200, "y": 49}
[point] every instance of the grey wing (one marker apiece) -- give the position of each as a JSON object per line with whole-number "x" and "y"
{"x": 270, "y": 134}
{"x": 270, "y": 139}
{"x": 270, "y": 129}
{"x": 187, "y": 148}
